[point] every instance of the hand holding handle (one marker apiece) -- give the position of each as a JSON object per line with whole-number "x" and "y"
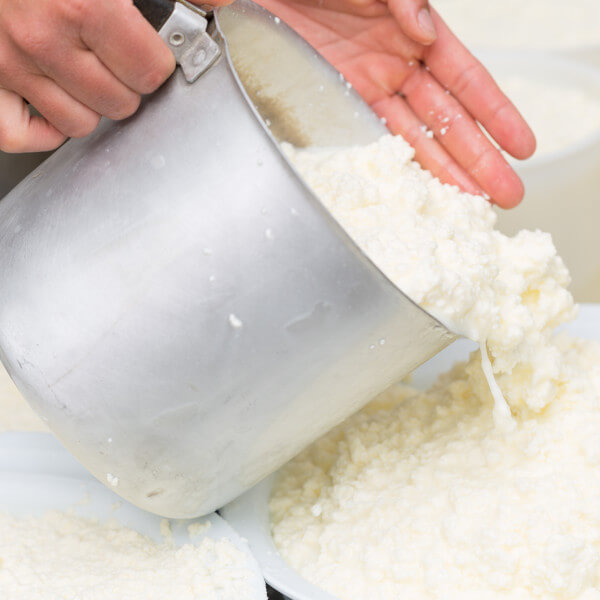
{"x": 184, "y": 30}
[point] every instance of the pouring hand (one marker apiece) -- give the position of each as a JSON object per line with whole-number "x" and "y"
{"x": 74, "y": 61}
{"x": 434, "y": 94}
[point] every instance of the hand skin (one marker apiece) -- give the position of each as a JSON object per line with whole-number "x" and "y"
{"x": 75, "y": 61}
{"x": 78, "y": 60}
{"x": 419, "y": 80}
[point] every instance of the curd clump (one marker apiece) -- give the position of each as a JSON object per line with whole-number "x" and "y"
{"x": 486, "y": 486}
{"x": 420, "y": 496}
{"x": 439, "y": 246}
{"x": 62, "y": 555}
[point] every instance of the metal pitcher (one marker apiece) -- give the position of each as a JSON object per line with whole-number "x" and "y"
{"x": 175, "y": 302}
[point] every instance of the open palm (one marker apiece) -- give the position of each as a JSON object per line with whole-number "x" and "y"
{"x": 433, "y": 94}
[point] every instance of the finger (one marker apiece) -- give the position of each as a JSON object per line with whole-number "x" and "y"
{"x": 400, "y": 119}
{"x": 87, "y": 80}
{"x": 68, "y": 115}
{"x": 22, "y": 132}
{"x": 377, "y": 81}
{"x": 377, "y": 77}
{"x": 415, "y": 20}
{"x": 127, "y": 45}
{"x": 460, "y": 72}
{"x": 461, "y": 136}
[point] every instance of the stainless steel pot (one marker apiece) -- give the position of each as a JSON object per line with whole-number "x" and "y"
{"x": 176, "y": 304}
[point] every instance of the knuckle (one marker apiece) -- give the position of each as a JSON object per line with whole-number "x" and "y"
{"x": 83, "y": 127}
{"x": 91, "y": 15}
{"x": 153, "y": 79}
{"x": 467, "y": 78}
{"x": 33, "y": 40}
{"x": 76, "y": 11}
{"x": 481, "y": 161}
{"x": 125, "y": 108}
{"x": 155, "y": 76}
{"x": 82, "y": 12}
{"x": 496, "y": 112}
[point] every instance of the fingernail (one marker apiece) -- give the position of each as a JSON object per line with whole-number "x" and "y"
{"x": 426, "y": 23}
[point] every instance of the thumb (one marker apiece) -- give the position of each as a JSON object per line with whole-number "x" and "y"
{"x": 414, "y": 19}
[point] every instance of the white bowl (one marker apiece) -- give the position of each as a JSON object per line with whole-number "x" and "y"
{"x": 553, "y": 69}
{"x": 37, "y": 474}
{"x": 249, "y": 514}
{"x": 589, "y": 54}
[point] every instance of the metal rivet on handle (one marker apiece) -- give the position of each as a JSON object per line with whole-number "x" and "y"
{"x": 176, "y": 38}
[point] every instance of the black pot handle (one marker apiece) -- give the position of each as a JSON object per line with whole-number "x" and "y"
{"x": 157, "y": 12}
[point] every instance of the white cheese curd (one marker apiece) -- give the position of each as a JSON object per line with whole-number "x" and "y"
{"x": 420, "y": 496}
{"x": 453, "y": 492}
{"x": 523, "y": 23}
{"x": 439, "y": 246}
{"x": 63, "y": 556}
